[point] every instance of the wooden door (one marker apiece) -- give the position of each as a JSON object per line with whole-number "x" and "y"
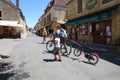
{"x": 102, "y": 32}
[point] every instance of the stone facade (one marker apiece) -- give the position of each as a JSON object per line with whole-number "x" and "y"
{"x": 94, "y": 15}
{"x": 55, "y": 14}
{"x": 9, "y": 12}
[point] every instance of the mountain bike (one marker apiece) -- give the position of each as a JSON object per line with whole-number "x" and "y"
{"x": 65, "y": 47}
{"x": 91, "y": 55}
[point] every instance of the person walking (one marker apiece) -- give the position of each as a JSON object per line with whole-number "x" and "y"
{"x": 51, "y": 33}
{"x": 44, "y": 34}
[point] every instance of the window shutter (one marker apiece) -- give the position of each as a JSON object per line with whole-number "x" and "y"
{"x": 79, "y": 10}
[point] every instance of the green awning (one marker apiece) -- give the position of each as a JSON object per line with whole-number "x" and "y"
{"x": 91, "y": 18}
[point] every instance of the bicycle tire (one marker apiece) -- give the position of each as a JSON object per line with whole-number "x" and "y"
{"x": 50, "y": 46}
{"x": 77, "y": 51}
{"x": 68, "y": 48}
{"x": 93, "y": 58}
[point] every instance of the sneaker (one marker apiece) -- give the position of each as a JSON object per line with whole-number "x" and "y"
{"x": 55, "y": 59}
{"x": 59, "y": 60}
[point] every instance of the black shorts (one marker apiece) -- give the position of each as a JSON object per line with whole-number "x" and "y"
{"x": 56, "y": 48}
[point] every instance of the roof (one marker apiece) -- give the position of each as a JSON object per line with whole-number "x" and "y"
{"x": 61, "y": 22}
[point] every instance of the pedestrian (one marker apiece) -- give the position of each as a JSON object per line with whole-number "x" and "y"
{"x": 57, "y": 47}
{"x": 51, "y": 33}
{"x": 44, "y": 34}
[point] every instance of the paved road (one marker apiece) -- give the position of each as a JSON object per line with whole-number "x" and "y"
{"x": 31, "y": 61}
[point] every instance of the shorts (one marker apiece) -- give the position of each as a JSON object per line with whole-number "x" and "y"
{"x": 56, "y": 49}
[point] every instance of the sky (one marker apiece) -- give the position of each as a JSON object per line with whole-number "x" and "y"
{"x": 32, "y": 10}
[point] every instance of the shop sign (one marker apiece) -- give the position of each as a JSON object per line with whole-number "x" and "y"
{"x": 91, "y": 4}
{"x": 91, "y": 18}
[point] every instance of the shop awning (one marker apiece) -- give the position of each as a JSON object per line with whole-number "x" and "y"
{"x": 61, "y": 22}
{"x": 10, "y": 23}
{"x": 95, "y": 17}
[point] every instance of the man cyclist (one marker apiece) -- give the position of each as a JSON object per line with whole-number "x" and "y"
{"x": 62, "y": 33}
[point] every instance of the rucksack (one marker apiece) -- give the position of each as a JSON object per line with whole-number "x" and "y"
{"x": 63, "y": 33}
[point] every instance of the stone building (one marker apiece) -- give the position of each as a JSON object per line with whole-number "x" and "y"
{"x": 54, "y": 14}
{"x": 96, "y": 21}
{"x": 12, "y": 19}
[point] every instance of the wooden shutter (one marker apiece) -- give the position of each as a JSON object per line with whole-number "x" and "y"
{"x": 79, "y": 8}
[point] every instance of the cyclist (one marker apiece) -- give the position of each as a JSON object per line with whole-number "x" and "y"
{"x": 62, "y": 33}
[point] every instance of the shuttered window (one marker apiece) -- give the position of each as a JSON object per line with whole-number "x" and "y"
{"x": 79, "y": 6}
{"x": 0, "y": 15}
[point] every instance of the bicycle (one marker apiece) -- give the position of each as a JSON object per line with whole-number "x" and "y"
{"x": 92, "y": 56}
{"x": 65, "y": 47}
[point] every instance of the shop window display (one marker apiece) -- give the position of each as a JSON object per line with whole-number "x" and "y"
{"x": 84, "y": 29}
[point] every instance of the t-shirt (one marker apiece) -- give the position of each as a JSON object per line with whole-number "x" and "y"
{"x": 44, "y": 33}
{"x": 57, "y": 42}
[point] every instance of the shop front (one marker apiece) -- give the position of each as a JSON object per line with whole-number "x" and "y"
{"x": 10, "y": 29}
{"x": 93, "y": 28}
{"x": 101, "y": 31}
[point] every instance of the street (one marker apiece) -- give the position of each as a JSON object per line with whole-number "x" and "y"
{"x": 31, "y": 61}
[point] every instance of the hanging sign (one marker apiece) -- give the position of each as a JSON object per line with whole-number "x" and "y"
{"x": 91, "y": 4}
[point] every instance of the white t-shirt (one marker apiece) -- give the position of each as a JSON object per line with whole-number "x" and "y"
{"x": 57, "y": 42}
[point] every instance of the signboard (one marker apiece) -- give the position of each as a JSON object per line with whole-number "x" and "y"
{"x": 95, "y": 17}
{"x": 91, "y": 4}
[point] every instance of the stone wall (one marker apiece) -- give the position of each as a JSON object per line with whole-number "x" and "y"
{"x": 8, "y": 12}
{"x": 116, "y": 31}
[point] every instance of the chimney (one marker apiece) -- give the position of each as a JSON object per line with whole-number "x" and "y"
{"x": 17, "y": 3}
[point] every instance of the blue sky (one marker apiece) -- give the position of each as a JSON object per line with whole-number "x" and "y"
{"x": 32, "y": 10}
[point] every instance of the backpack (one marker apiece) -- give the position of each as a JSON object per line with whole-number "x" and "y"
{"x": 63, "y": 33}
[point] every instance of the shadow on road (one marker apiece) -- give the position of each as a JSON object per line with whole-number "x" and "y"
{"x": 5, "y": 76}
{"x": 109, "y": 57}
{"x": 76, "y": 59}
{"x": 48, "y": 60}
{"x": 4, "y": 56}
{"x": 8, "y": 72}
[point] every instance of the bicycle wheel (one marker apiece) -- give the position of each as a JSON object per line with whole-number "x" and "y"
{"x": 50, "y": 46}
{"x": 78, "y": 52}
{"x": 66, "y": 49}
{"x": 93, "y": 58}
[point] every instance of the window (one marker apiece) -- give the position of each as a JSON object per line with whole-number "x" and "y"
{"x": 84, "y": 29}
{"x": 106, "y": 1}
{"x": 45, "y": 20}
{"x": 0, "y": 15}
{"x": 79, "y": 6}
{"x": 49, "y": 17}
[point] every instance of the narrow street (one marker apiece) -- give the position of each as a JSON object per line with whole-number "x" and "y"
{"x": 31, "y": 61}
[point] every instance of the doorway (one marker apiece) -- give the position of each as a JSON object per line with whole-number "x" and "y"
{"x": 102, "y": 32}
